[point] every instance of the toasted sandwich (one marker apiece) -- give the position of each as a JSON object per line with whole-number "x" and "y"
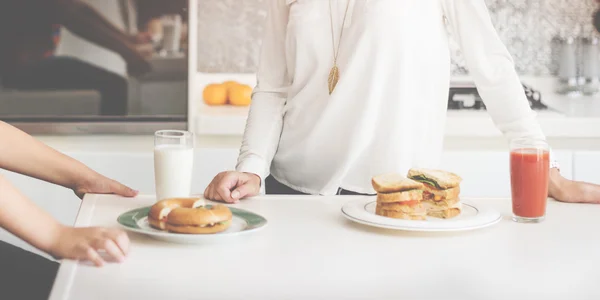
{"x": 392, "y": 183}
{"x": 443, "y": 209}
{"x": 441, "y": 190}
{"x": 399, "y": 197}
{"x": 441, "y": 180}
{"x": 403, "y": 211}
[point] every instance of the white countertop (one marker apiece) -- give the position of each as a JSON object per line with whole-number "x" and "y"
{"x": 567, "y": 118}
{"x": 119, "y": 143}
{"x": 309, "y": 251}
{"x": 580, "y": 107}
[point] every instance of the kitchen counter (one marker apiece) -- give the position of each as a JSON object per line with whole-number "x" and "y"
{"x": 459, "y": 123}
{"x": 310, "y": 251}
{"x": 567, "y": 117}
{"x": 578, "y": 107}
{"x": 131, "y": 144}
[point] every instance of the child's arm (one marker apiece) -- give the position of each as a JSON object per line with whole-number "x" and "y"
{"x": 21, "y": 153}
{"x": 27, "y": 221}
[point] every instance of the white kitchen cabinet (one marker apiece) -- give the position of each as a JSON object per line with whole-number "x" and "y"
{"x": 487, "y": 173}
{"x": 585, "y": 166}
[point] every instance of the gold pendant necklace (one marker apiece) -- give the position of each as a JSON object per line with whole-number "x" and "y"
{"x": 334, "y": 74}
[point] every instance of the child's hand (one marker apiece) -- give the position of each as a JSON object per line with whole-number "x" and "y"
{"x": 84, "y": 244}
{"x": 99, "y": 184}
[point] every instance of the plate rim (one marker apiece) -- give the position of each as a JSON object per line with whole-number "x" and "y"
{"x": 174, "y": 235}
{"x": 367, "y": 201}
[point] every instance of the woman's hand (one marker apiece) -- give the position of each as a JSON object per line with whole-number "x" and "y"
{"x": 232, "y": 186}
{"x": 98, "y": 184}
{"x": 141, "y": 38}
{"x": 565, "y": 190}
{"x": 84, "y": 244}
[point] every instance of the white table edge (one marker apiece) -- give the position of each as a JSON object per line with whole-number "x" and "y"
{"x": 66, "y": 271}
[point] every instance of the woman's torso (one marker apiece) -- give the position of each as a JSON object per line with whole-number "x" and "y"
{"x": 387, "y": 112}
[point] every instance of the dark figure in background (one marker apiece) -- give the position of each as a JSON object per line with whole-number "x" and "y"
{"x": 597, "y": 18}
{"x": 150, "y": 9}
{"x": 149, "y": 13}
{"x": 29, "y": 34}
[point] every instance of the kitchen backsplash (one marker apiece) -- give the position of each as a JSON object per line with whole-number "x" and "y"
{"x": 230, "y": 32}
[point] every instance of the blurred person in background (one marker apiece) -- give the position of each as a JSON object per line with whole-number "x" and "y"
{"x": 150, "y": 13}
{"x": 30, "y": 33}
{"x": 596, "y": 18}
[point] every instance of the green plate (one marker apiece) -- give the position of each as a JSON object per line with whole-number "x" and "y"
{"x": 243, "y": 222}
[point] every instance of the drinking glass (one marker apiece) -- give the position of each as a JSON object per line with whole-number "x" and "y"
{"x": 173, "y": 163}
{"x": 529, "y": 176}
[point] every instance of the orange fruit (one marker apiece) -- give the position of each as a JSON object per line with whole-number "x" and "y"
{"x": 230, "y": 84}
{"x": 240, "y": 95}
{"x": 215, "y": 94}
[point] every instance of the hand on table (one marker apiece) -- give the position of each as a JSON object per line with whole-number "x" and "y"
{"x": 102, "y": 185}
{"x": 565, "y": 190}
{"x": 84, "y": 244}
{"x": 232, "y": 186}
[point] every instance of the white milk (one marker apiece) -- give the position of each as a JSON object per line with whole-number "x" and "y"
{"x": 173, "y": 166}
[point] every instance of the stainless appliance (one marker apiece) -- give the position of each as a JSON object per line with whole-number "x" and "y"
{"x": 464, "y": 96}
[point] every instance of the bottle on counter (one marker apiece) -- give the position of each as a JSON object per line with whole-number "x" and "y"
{"x": 590, "y": 64}
{"x": 568, "y": 75}
{"x": 596, "y": 20}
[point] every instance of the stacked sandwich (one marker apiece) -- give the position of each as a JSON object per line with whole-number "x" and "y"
{"x": 441, "y": 191}
{"x": 399, "y": 197}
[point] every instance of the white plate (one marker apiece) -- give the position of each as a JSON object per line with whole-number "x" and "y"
{"x": 362, "y": 211}
{"x": 242, "y": 222}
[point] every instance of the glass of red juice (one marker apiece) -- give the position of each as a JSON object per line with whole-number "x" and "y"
{"x": 529, "y": 171}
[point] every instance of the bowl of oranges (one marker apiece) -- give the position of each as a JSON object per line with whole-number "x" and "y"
{"x": 227, "y": 93}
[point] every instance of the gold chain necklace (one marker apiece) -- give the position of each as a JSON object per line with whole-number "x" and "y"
{"x": 334, "y": 74}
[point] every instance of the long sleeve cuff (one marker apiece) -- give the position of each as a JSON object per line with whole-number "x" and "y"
{"x": 254, "y": 165}
{"x": 554, "y": 163}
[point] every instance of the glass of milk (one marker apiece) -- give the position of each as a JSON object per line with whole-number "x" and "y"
{"x": 173, "y": 163}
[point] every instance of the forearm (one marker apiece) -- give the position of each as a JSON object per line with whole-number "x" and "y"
{"x": 21, "y": 153}
{"x": 94, "y": 16}
{"x": 26, "y": 220}
{"x": 492, "y": 69}
{"x": 87, "y": 23}
{"x": 565, "y": 190}
{"x": 263, "y": 129}
{"x": 265, "y": 119}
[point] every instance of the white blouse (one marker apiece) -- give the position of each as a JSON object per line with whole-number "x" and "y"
{"x": 388, "y": 110}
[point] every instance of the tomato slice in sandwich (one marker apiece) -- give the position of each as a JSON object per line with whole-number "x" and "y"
{"x": 410, "y": 203}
